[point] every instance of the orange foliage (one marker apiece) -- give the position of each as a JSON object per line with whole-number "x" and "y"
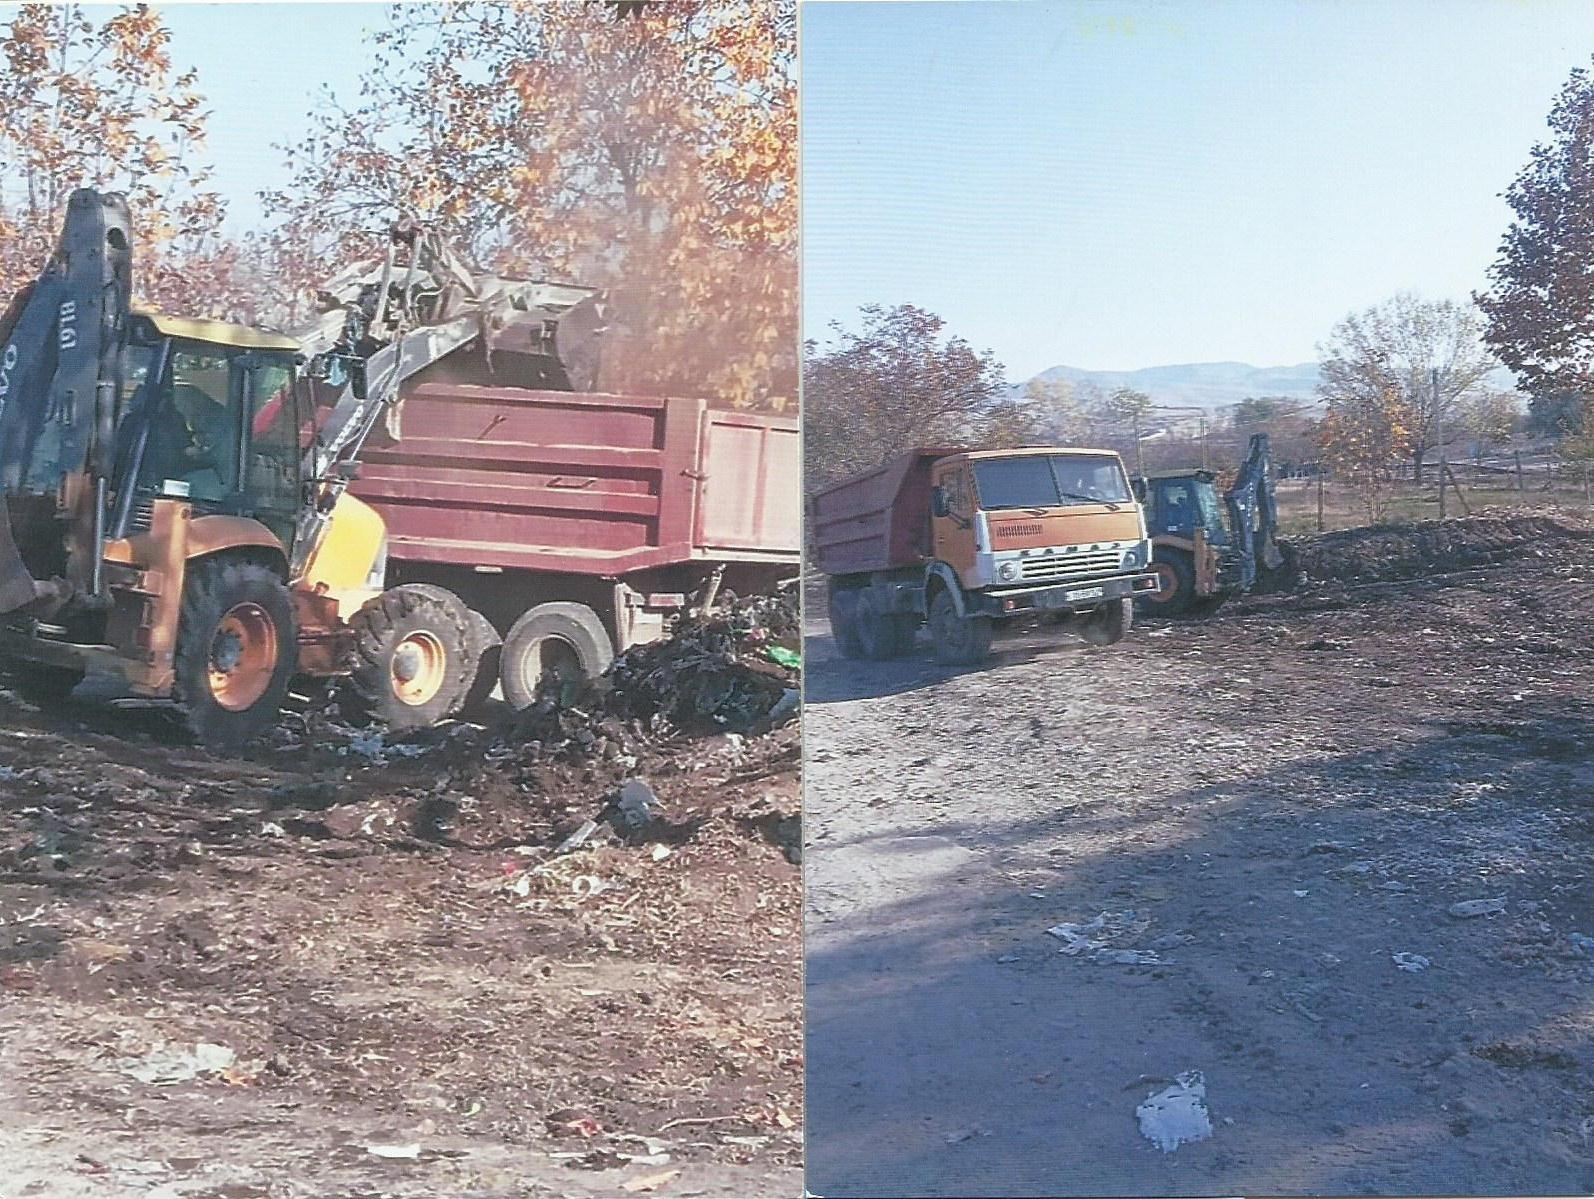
{"x": 97, "y": 102}
{"x": 653, "y": 155}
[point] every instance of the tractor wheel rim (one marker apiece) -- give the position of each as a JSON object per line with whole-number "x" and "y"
{"x": 243, "y": 656}
{"x": 417, "y": 668}
{"x": 1167, "y": 583}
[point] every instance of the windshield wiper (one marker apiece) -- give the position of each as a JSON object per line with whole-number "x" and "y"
{"x": 1090, "y": 499}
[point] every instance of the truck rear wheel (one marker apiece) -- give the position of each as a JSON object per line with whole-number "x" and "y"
{"x": 881, "y": 635}
{"x": 237, "y": 649}
{"x": 1176, "y": 584}
{"x": 485, "y": 652}
{"x": 958, "y": 640}
{"x": 412, "y": 659}
{"x": 1109, "y": 623}
{"x": 565, "y": 640}
{"x": 844, "y": 620}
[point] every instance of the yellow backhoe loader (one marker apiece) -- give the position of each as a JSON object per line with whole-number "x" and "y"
{"x": 173, "y": 492}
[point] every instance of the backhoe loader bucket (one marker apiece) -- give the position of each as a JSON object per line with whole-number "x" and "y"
{"x": 17, "y": 586}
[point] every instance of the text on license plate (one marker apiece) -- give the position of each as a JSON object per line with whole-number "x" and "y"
{"x": 1083, "y": 593}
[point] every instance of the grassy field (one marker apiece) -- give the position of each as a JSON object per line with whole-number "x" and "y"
{"x": 1343, "y": 507}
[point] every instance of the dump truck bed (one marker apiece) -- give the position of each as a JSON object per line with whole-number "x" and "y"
{"x": 583, "y": 483}
{"x": 877, "y": 520}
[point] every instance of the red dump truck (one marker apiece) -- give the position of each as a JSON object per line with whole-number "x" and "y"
{"x": 966, "y": 542}
{"x": 573, "y": 524}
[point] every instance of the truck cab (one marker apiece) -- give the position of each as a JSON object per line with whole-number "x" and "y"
{"x": 967, "y": 541}
{"x": 1009, "y": 522}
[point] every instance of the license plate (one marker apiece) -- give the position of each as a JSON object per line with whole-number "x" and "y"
{"x": 1083, "y": 593}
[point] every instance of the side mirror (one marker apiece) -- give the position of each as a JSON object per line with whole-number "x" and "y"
{"x": 938, "y": 505}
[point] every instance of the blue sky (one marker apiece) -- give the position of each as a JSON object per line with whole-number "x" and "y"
{"x": 1115, "y": 185}
{"x": 262, "y": 68}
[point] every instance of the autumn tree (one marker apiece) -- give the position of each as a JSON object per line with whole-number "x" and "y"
{"x": 1540, "y": 303}
{"x": 1403, "y": 341}
{"x": 1490, "y": 416}
{"x": 1364, "y": 430}
{"x": 649, "y": 151}
{"x": 897, "y": 382}
{"x": 88, "y": 99}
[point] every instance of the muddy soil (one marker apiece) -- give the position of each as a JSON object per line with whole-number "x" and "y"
{"x": 1276, "y": 810}
{"x": 327, "y": 971}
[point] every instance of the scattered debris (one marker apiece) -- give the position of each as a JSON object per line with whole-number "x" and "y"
{"x": 649, "y": 1182}
{"x": 395, "y": 1152}
{"x": 1176, "y": 1115}
{"x": 638, "y": 804}
{"x": 1468, "y": 908}
{"x": 168, "y": 1065}
{"x": 1094, "y": 939}
{"x": 1411, "y": 962}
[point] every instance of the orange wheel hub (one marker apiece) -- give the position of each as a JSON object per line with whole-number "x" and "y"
{"x": 1167, "y": 583}
{"x": 243, "y": 656}
{"x": 417, "y": 669}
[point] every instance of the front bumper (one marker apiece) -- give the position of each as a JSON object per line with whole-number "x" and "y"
{"x": 1079, "y": 596}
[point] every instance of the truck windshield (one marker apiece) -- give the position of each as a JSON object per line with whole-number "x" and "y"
{"x": 1050, "y": 481}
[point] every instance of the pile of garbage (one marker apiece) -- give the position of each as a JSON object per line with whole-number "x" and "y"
{"x": 736, "y": 670}
{"x": 1385, "y": 553}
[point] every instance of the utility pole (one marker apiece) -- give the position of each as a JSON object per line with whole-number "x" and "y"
{"x": 1205, "y": 464}
{"x": 1140, "y": 462}
{"x": 1439, "y": 436}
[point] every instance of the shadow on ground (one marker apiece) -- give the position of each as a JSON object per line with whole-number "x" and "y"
{"x": 954, "y": 1050}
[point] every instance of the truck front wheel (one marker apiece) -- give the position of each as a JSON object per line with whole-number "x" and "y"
{"x": 1109, "y": 623}
{"x": 958, "y": 640}
{"x": 237, "y": 649}
{"x": 412, "y": 657}
{"x": 567, "y": 641}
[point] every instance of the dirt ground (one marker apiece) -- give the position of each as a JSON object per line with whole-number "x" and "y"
{"x": 1275, "y": 810}
{"x": 332, "y": 969}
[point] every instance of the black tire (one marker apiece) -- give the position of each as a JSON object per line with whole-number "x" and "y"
{"x": 958, "y": 640}
{"x": 1108, "y": 624}
{"x": 485, "y": 651}
{"x": 237, "y": 650}
{"x": 882, "y": 635}
{"x": 568, "y": 637}
{"x": 412, "y": 657}
{"x": 844, "y": 620}
{"x": 1176, "y": 569}
{"x": 484, "y": 645}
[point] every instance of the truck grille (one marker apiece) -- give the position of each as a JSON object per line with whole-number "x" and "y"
{"x": 1069, "y": 566}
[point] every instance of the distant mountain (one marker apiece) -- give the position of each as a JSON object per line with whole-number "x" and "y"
{"x": 1199, "y": 384}
{"x": 1213, "y": 385}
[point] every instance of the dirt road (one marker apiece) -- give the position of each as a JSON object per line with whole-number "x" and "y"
{"x": 315, "y": 973}
{"x": 1269, "y": 807}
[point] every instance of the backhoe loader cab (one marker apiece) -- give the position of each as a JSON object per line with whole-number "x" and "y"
{"x": 1207, "y": 547}
{"x": 192, "y": 597}
{"x": 1192, "y": 555}
{"x": 218, "y": 423}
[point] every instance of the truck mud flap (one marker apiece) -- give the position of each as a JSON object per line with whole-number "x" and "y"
{"x": 17, "y": 586}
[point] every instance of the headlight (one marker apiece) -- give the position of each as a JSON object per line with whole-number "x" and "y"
{"x": 1132, "y": 558}
{"x": 1007, "y": 571}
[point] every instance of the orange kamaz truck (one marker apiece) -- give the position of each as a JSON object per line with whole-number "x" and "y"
{"x": 972, "y": 542}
